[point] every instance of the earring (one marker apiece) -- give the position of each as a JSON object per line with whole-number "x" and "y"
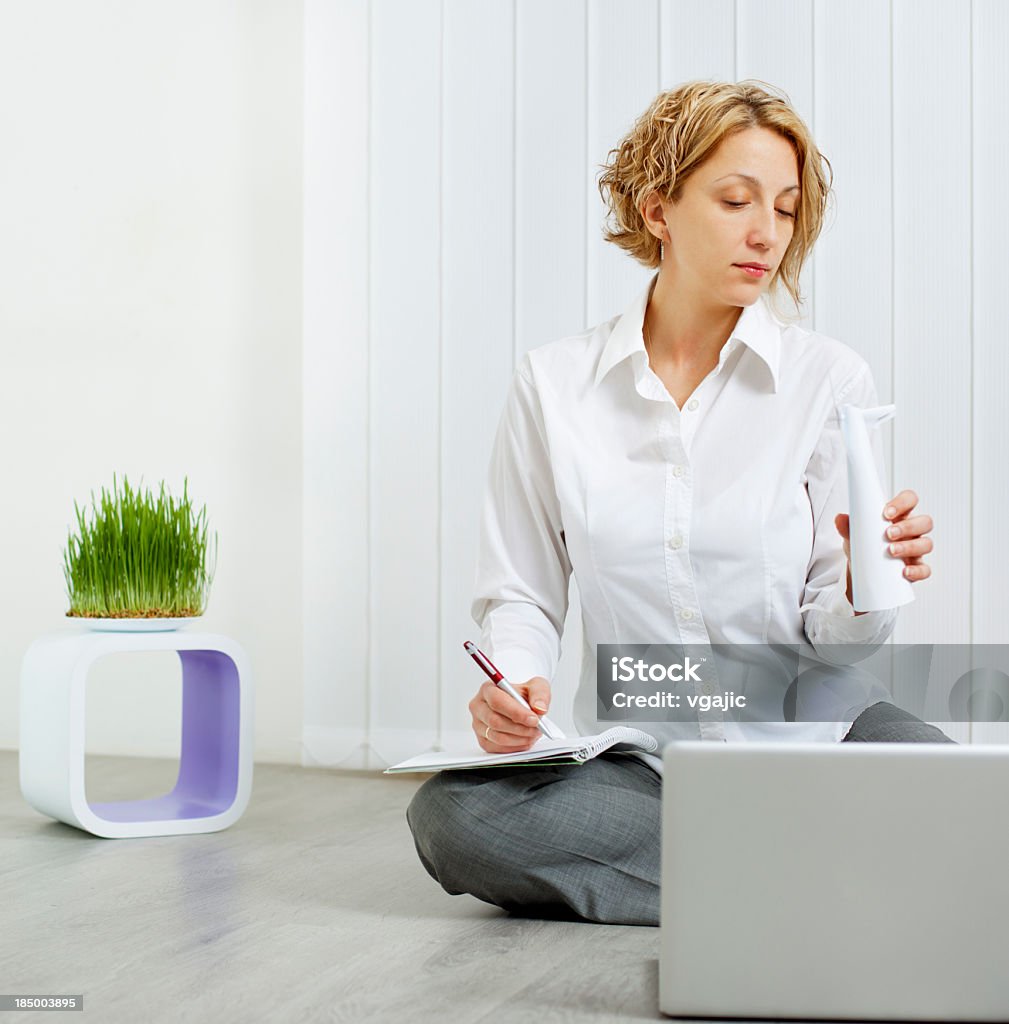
{"x": 662, "y": 251}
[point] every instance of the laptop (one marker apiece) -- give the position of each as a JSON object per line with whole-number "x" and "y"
{"x": 835, "y": 881}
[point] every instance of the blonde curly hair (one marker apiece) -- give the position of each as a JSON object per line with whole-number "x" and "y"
{"x": 678, "y": 132}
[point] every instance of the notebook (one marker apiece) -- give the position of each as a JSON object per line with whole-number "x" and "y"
{"x": 571, "y": 750}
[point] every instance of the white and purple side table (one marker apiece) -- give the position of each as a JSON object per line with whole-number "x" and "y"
{"x": 215, "y": 766}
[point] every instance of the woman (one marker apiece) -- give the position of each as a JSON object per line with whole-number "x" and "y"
{"x": 684, "y": 461}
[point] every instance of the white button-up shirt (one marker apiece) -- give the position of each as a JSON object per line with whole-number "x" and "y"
{"x": 711, "y": 524}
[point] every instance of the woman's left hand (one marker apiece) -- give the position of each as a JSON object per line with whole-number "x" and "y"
{"x": 907, "y": 537}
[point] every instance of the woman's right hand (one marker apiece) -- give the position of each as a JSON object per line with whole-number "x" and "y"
{"x": 511, "y": 726}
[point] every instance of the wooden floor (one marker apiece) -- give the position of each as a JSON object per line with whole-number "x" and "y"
{"x": 312, "y": 907}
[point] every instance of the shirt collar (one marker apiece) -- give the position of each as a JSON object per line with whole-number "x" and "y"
{"x": 757, "y": 328}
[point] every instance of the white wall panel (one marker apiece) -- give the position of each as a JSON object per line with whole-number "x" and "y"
{"x": 487, "y": 123}
{"x": 550, "y": 225}
{"x": 932, "y": 289}
{"x": 989, "y": 467}
{"x": 774, "y": 44}
{"x": 932, "y": 318}
{"x": 622, "y": 79}
{"x": 550, "y": 184}
{"x": 335, "y": 383}
{"x": 698, "y": 41}
{"x": 623, "y": 45}
{"x": 852, "y": 272}
{"x": 404, "y": 374}
{"x": 477, "y": 296}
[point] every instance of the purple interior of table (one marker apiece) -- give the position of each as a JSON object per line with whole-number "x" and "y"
{"x": 208, "y": 765}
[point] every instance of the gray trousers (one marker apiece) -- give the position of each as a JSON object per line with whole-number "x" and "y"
{"x": 572, "y": 842}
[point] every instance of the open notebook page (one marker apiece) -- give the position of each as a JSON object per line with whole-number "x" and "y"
{"x": 572, "y": 750}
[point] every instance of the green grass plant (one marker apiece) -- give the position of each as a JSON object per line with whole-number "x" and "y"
{"x": 138, "y": 558}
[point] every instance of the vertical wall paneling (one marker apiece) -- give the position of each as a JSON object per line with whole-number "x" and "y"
{"x": 477, "y": 296}
{"x": 405, "y": 379}
{"x": 932, "y": 328}
{"x": 990, "y": 424}
{"x": 774, "y": 44}
{"x": 622, "y": 79}
{"x": 453, "y": 222}
{"x": 335, "y": 383}
{"x": 550, "y": 161}
{"x": 698, "y": 41}
{"x": 854, "y": 296}
{"x": 932, "y": 289}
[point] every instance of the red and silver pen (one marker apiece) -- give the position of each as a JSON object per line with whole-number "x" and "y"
{"x": 545, "y": 725}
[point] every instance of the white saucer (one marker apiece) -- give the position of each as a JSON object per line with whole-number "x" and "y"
{"x": 131, "y": 625}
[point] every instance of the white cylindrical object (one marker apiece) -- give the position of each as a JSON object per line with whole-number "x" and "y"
{"x": 877, "y": 579}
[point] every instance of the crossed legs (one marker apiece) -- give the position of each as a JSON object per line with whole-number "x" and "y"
{"x": 575, "y": 842}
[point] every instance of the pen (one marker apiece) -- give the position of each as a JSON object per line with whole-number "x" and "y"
{"x": 545, "y": 725}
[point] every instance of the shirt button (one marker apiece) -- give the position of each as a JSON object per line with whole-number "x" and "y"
{"x": 686, "y": 614}
{"x": 677, "y": 471}
{"x": 708, "y": 689}
{"x": 692, "y": 404}
{"x": 676, "y": 542}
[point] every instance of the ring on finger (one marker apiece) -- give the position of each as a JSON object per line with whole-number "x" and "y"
{"x": 486, "y": 733}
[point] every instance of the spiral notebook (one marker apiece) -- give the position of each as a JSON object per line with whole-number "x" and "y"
{"x": 572, "y": 750}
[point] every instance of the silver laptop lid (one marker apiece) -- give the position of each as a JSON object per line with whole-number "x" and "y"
{"x": 847, "y": 881}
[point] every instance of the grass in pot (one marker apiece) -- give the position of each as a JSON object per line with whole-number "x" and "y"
{"x": 138, "y": 558}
